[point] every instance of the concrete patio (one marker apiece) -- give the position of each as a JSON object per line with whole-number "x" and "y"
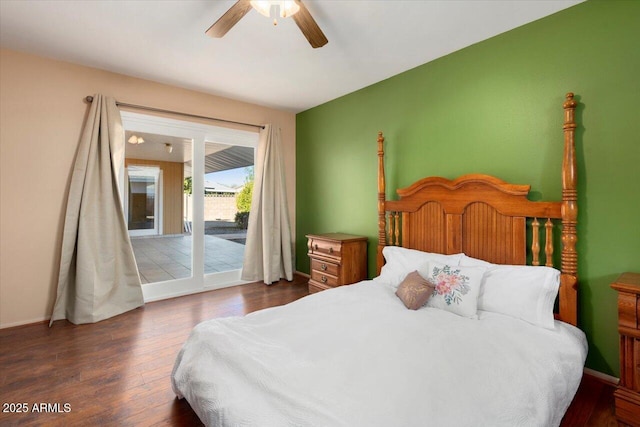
{"x": 162, "y": 258}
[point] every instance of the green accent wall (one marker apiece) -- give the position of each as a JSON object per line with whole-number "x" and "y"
{"x": 496, "y": 108}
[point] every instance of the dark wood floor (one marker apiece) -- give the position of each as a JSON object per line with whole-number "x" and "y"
{"x": 593, "y": 405}
{"x": 116, "y": 372}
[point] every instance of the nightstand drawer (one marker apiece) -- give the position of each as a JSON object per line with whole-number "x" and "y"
{"x": 325, "y": 267}
{"x": 324, "y": 278}
{"x": 325, "y": 248}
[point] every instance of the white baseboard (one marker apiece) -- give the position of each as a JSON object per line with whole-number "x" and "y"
{"x": 601, "y": 376}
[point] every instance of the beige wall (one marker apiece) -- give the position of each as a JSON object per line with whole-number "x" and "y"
{"x": 41, "y": 117}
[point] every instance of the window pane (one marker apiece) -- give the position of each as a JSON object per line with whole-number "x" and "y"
{"x": 228, "y": 181}
{"x": 155, "y": 206}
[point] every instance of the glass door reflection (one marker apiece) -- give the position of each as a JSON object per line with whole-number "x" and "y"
{"x": 156, "y": 168}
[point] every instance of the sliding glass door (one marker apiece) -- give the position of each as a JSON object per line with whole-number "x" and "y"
{"x": 228, "y": 183}
{"x": 180, "y": 196}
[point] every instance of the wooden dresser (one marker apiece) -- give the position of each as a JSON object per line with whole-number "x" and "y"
{"x": 336, "y": 259}
{"x": 627, "y": 396}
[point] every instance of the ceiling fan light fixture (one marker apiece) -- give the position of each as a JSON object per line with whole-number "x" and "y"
{"x": 262, "y": 6}
{"x": 287, "y": 7}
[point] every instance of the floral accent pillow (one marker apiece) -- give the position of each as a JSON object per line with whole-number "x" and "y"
{"x": 456, "y": 288}
{"x": 414, "y": 291}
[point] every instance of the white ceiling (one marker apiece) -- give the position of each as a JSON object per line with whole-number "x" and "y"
{"x": 164, "y": 41}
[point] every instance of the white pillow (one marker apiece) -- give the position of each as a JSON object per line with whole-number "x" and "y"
{"x": 457, "y": 288}
{"x": 521, "y": 291}
{"x": 474, "y": 262}
{"x": 401, "y": 261}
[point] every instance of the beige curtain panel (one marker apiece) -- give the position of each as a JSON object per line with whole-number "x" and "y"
{"x": 268, "y": 254}
{"x": 98, "y": 273}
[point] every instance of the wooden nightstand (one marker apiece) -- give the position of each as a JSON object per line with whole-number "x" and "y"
{"x": 627, "y": 396}
{"x": 336, "y": 259}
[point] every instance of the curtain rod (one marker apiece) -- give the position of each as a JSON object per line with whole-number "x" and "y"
{"x": 89, "y": 99}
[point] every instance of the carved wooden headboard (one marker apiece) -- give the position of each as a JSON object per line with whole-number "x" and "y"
{"x": 486, "y": 218}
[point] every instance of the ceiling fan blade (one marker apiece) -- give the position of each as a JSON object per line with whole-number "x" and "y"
{"x": 309, "y": 27}
{"x": 229, "y": 19}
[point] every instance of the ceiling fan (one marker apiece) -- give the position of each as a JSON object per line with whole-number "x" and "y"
{"x": 293, "y": 8}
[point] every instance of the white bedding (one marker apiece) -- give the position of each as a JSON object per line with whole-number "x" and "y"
{"x": 355, "y": 356}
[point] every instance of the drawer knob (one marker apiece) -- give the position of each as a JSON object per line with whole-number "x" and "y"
{"x": 324, "y": 279}
{"x": 330, "y": 250}
{"x": 315, "y": 246}
{"x": 323, "y": 266}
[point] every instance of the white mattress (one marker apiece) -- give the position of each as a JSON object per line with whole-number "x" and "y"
{"x": 355, "y": 356}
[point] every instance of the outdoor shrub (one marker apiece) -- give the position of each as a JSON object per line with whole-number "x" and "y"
{"x": 243, "y": 198}
{"x": 242, "y": 220}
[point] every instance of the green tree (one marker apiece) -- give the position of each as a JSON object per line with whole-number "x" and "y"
{"x": 243, "y": 199}
{"x": 187, "y": 186}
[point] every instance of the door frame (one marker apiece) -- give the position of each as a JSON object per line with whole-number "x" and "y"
{"x": 199, "y": 133}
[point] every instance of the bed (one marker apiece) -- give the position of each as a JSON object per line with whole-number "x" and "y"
{"x": 486, "y": 348}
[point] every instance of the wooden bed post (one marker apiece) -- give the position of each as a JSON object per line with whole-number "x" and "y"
{"x": 569, "y": 277}
{"x": 382, "y": 235}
